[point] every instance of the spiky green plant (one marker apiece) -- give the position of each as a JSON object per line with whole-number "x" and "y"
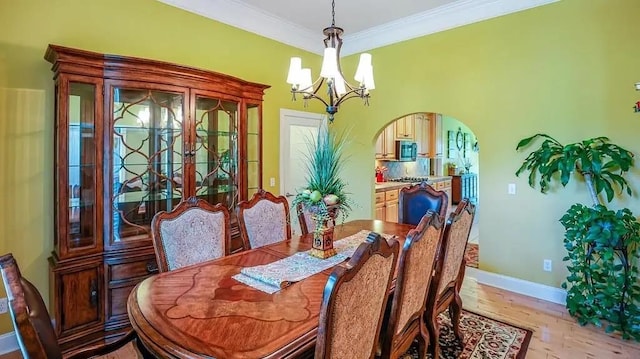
{"x": 324, "y": 163}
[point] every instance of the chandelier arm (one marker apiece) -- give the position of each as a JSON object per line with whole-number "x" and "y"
{"x": 308, "y": 95}
{"x": 351, "y": 94}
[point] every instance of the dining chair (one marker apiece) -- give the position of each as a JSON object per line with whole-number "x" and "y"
{"x": 354, "y": 299}
{"x": 32, "y": 323}
{"x": 194, "y": 231}
{"x": 416, "y": 200}
{"x": 264, "y": 219}
{"x": 415, "y": 269}
{"x": 449, "y": 274}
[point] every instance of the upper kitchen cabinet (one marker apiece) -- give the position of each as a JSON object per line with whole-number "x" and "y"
{"x": 423, "y": 134}
{"x": 405, "y": 128}
{"x": 386, "y": 144}
{"x": 435, "y": 139}
{"x": 134, "y": 137}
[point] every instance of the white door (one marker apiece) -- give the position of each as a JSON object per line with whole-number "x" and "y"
{"x": 295, "y": 128}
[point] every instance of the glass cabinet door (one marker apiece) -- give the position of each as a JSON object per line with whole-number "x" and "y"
{"x": 81, "y": 157}
{"x": 254, "y": 153}
{"x": 147, "y": 171}
{"x": 216, "y": 151}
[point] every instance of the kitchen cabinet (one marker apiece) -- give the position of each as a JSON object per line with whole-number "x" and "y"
{"x": 386, "y": 144}
{"x": 465, "y": 186}
{"x": 404, "y": 128}
{"x": 435, "y": 146}
{"x": 387, "y": 205}
{"x": 423, "y": 134}
{"x": 134, "y": 137}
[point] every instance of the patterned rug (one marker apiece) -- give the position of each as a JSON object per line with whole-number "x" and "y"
{"x": 471, "y": 255}
{"x": 484, "y": 338}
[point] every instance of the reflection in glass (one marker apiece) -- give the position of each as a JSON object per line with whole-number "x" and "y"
{"x": 81, "y": 157}
{"x": 216, "y": 147}
{"x": 146, "y": 161}
{"x": 253, "y": 149}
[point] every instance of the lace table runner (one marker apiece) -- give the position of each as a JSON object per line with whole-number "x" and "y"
{"x": 272, "y": 277}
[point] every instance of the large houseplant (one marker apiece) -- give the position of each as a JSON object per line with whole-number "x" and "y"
{"x": 602, "y": 244}
{"x": 324, "y": 195}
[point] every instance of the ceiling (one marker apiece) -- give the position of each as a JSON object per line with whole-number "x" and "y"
{"x": 367, "y": 23}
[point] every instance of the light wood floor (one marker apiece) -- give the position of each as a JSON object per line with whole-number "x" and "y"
{"x": 555, "y": 334}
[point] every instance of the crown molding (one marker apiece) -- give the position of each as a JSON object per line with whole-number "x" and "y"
{"x": 439, "y": 19}
{"x": 255, "y": 20}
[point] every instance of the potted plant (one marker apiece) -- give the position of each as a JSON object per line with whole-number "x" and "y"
{"x": 324, "y": 195}
{"x": 602, "y": 244}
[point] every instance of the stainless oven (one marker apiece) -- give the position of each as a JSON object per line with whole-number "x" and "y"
{"x": 406, "y": 150}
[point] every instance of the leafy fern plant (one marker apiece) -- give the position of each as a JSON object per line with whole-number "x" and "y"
{"x": 602, "y": 245}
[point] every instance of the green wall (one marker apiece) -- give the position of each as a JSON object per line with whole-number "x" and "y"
{"x": 566, "y": 69}
{"x": 141, "y": 28}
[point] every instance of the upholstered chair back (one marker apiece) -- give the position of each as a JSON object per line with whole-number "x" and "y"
{"x": 194, "y": 232}
{"x": 415, "y": 270}
{"x": 354, "y": 300}
{"x": 456, "y": 235}
{"x": 416, "y": 200}
{"x": 264, "y": 220}
{"x": 34, "y": 331}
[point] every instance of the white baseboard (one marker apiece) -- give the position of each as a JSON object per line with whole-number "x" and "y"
{"x": 8, "y": 343}
{"x": 531, "y": 289}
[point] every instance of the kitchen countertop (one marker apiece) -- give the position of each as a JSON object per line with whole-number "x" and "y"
{"x": 384, "y": 186}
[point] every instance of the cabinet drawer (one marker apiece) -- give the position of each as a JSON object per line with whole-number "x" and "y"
{"x": 379, "y": 197}
{"x": 128, "y": 270}
{"x": 438, "y": 185}
{"x": 391, "y": 195}
{"x": 446, "y": 184}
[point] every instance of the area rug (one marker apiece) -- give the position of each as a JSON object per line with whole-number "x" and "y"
{"x": 484, "y": 338}
{"x": 471, "y": 255}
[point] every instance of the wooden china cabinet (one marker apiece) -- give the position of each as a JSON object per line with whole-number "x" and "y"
{"x": 134, "y": 137}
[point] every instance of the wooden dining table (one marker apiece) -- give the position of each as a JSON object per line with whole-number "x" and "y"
{"x": 200, "y": 311}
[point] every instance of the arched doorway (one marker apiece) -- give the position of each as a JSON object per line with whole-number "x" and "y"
{"x": 445, "y": 148}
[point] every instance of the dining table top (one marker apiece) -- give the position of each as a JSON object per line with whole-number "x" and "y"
{"x": 200, "y": 311}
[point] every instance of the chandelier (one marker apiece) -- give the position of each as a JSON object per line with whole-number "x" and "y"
{"x": 338, "y": 90}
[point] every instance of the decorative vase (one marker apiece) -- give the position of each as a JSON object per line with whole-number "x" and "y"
{"x": 322, "y": 246}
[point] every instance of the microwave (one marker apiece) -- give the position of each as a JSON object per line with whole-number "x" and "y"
{"x": 406, "y": 151}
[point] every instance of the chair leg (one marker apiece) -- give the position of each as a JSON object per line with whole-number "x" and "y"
{"x": 455, "y": 309}
{"x": 434, "y": 334}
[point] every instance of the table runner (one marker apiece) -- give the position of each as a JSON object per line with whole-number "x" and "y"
{"x": 272, "y": 277}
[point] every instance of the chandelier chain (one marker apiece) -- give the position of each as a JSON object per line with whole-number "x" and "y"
{"x": 333, "y": 13}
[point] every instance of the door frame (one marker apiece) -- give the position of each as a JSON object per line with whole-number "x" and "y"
{"x": 287, "y": 118}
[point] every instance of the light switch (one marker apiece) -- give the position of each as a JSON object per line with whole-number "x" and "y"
{"x": 511, "y": 188}
{"x": 272, "y": 181}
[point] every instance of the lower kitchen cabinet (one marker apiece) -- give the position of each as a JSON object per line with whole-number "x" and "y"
{"x": 387, "y": 205}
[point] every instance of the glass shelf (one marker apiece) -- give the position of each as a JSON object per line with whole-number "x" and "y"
{"x": 206, "y": 133}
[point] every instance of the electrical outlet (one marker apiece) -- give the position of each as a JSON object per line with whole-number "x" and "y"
{"x": 511, "y": 189}
{"x": 272, "y": 181}
{"x": 546, "y": 265}
{"x": 3, "y": 305}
